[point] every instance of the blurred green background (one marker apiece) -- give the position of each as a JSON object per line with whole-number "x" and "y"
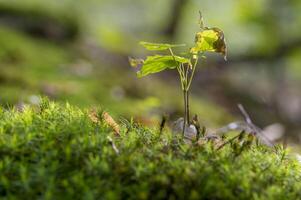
{"x": 77, "y": 51}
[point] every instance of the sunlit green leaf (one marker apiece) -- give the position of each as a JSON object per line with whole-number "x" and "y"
{"x": 158, "y": 46}
{"x": 179, "y": 59}
{"x": 210, "y": 39}
{"x": 158, "y": 63}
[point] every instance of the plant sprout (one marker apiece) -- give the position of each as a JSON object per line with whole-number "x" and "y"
{"x": 206, "y": 40}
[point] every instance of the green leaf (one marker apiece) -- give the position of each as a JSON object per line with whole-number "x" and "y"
{"x": 158, "y": 63}
{"x": 210, "y": 39}
{"x": 158, "y": 46}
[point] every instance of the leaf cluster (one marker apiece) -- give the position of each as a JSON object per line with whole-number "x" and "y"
{"x": 206, "y": 40}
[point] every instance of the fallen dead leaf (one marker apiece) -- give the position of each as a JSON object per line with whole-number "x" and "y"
{"x": 111, "y": 122}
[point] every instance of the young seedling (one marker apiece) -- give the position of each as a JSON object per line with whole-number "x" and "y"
{"x": 206, "y": 40}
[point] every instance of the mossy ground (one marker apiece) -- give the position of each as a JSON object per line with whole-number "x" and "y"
{"x": 54, "y": 151}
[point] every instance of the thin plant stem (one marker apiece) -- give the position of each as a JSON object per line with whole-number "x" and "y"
{"x": 187, "y": 107}
{"x": 183, "y": 78}
{"x": 182, "y": 71}
{"x": 185, "y": 112}
{"x": 186, "y": 95}
{"x": 192, "y": 73}
{"x": 187, "y": 72}
{"x": 179, "y": 68}
{"x": 186, "y": 121}
{"x": 187, "y": 85}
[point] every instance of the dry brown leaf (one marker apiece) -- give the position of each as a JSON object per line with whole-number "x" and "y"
{"x": 111, "y": 122}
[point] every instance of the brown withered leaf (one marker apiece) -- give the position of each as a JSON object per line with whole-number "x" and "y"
{"x": 220, "y": 45}
{"x": 111, "y": 122}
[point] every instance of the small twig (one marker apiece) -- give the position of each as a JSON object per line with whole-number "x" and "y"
{"x": 255, "y": 130}
{"x": 113, "y": 145}
{"x": 162, "y": 124}
{"x": 201, "y": 21}
{"x": 245, "y": 114}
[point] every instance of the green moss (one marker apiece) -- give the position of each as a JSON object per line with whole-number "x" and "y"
{"x": 56, "y": 152}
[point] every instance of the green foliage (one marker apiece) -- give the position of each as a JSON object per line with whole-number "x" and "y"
{"x": 210, "y": 39}
{"x": 56, "y": 152}
{"x": 158, "y": 46}
{"x": 157, "y": 63}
